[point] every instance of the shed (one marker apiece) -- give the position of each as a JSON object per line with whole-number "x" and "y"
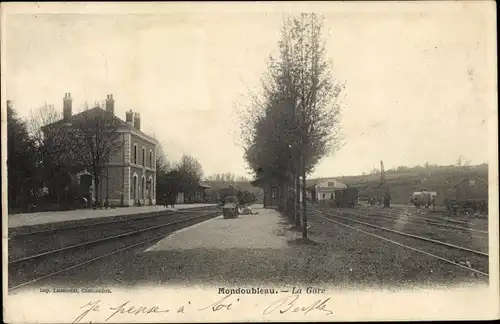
{"x": 200, "y": 194}
{"x": 271, "y": 188}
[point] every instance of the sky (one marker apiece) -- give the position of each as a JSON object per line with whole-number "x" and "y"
{"x": 420, "y": 81}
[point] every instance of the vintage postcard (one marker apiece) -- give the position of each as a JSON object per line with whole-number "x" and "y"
{"x": 249, "y": 162}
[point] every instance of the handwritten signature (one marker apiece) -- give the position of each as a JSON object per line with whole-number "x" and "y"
{"x": 290, "y": 304}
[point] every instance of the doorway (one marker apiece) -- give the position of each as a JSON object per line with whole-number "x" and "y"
{"x": 134, "y": 190}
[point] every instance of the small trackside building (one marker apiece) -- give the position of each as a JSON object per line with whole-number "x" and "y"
{"x": 323, "y": 189}
{"x": 272, "y": 190}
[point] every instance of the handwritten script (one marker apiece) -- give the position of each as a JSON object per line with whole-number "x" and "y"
{"x": 289, "y": 304}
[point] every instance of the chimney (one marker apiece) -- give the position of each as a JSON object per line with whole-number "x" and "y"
{"x": 110, "y": 104}
{"x": 129, "y": 117}
{"x": 67, "y": 106}
{"x": 137, "y": 121}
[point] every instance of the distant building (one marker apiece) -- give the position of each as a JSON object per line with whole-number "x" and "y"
{"x": 317, "y": 190}
{"x": 473, "y": 188}
{"x": 322, "y": 189}
{"x": 199, "y": 195}
{"x": 130, "y": 175}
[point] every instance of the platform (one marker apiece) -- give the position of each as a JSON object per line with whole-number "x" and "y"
{"x": 264, "y": 230}
{"x": 32, "y": 219}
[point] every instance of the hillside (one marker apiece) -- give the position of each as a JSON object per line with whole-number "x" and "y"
{"x": 404, "y": 181}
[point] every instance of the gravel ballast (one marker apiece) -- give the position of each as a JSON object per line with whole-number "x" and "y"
{"x": 342, "y": 258}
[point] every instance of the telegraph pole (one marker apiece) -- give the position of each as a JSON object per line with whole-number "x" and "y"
{"x": 382, "y": 173}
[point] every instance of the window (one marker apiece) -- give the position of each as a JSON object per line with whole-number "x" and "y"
{"x": 135, "y": 153}
{"x": 150, "y": 158}
{"x": 323, "y": 196}
{"x": 331, "y": 184}
{"x": 274, "y": 193}
{"x": 331, "y": 196}
{"x": 143, "y": 156}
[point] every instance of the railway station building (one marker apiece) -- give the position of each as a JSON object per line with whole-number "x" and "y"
{"x": 129, "y": 177}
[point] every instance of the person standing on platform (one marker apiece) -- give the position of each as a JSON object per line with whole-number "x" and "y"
{"x": 172, "y": 200}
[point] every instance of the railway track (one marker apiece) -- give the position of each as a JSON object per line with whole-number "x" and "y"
{"x": 34, "y": 268}
{"x": 444, "y": 220}
{"x": 15, "y": 233}
{"x": 451, "y": 234}
{"x": 403, "y": 225}
{"x": 26, "y": 245}
{"x": 472, "y": 260}
{"x": 421, "y": 220}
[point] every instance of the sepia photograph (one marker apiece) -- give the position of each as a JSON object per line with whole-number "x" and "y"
{"x": 249, "y": 162}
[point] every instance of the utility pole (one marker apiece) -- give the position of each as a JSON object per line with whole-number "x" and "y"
{"x": 382, "y": 173}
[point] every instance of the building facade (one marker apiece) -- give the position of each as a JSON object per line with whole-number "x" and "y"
{"x": 272, "y": 191}
{"x": 129, "y": 177}
{"x": 471, "y": 189}
{"x": 321, "y": 190}
{"x": 317, "y": 190}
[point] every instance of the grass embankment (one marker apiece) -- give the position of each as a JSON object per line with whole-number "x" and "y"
{"x": 404, "y": 182}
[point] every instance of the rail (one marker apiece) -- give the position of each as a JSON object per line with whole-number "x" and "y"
{"x": 105, "y": 239}
{"x": 407, "y": 235}
{"x": 114, "y": 220}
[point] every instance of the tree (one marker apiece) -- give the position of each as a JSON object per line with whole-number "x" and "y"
{"x": 308, "y": 77}
{"x": 184, "y": 177}
{"x": 463, "y": 163}
{"x": 190, "y": 173}
{"x": 296, "y": 122}
{"x": 162, "y": 163}
{"x": 22, "y": 161}
{"x": 97, "y": 139}
{"x": 163, "y": 166}
{"x": 191, "y": 166}
{"x": 52, "y": 151}
{"x": 43, "y": 115}
{"x": 92, "y": 139}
